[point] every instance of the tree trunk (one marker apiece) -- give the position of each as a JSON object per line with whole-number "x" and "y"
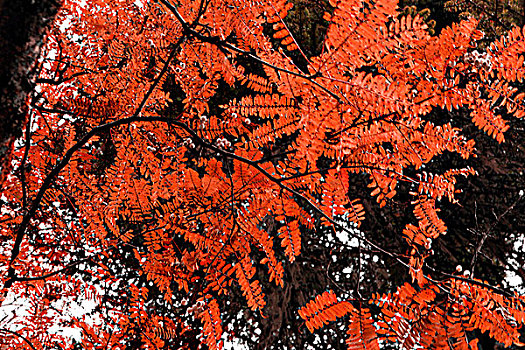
{"x": 22, "y": 27}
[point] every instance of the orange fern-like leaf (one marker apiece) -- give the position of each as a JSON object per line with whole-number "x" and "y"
{"x": 251, "y": 290}
{"x": 485, "y": 119}
{"x": 277, "y": 12}
{"x": 291, "y": 239}
{"x": 361, "y": 331}
{"x": 323, "y": 309}
{"x": 257, "y": 83}
{"x": 211, "y": 318}
{"x": 264, "y": 106}
{"x": 426, "y": 212}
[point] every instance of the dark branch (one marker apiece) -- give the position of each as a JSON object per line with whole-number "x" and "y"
{"x": 62, "y": 163}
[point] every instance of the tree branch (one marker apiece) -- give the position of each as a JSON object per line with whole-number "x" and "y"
{"x": 19, "y": 336}
{"x": 61, "y": 163}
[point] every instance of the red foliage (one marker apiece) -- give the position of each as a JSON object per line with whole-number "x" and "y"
{"x": 134, "y": 176}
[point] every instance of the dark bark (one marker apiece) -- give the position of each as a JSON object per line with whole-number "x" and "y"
{"x": 22, "y": 27}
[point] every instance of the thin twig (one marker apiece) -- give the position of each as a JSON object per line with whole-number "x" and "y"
{"x": 487, "y": 233}
{"x": 51, "y": 274}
